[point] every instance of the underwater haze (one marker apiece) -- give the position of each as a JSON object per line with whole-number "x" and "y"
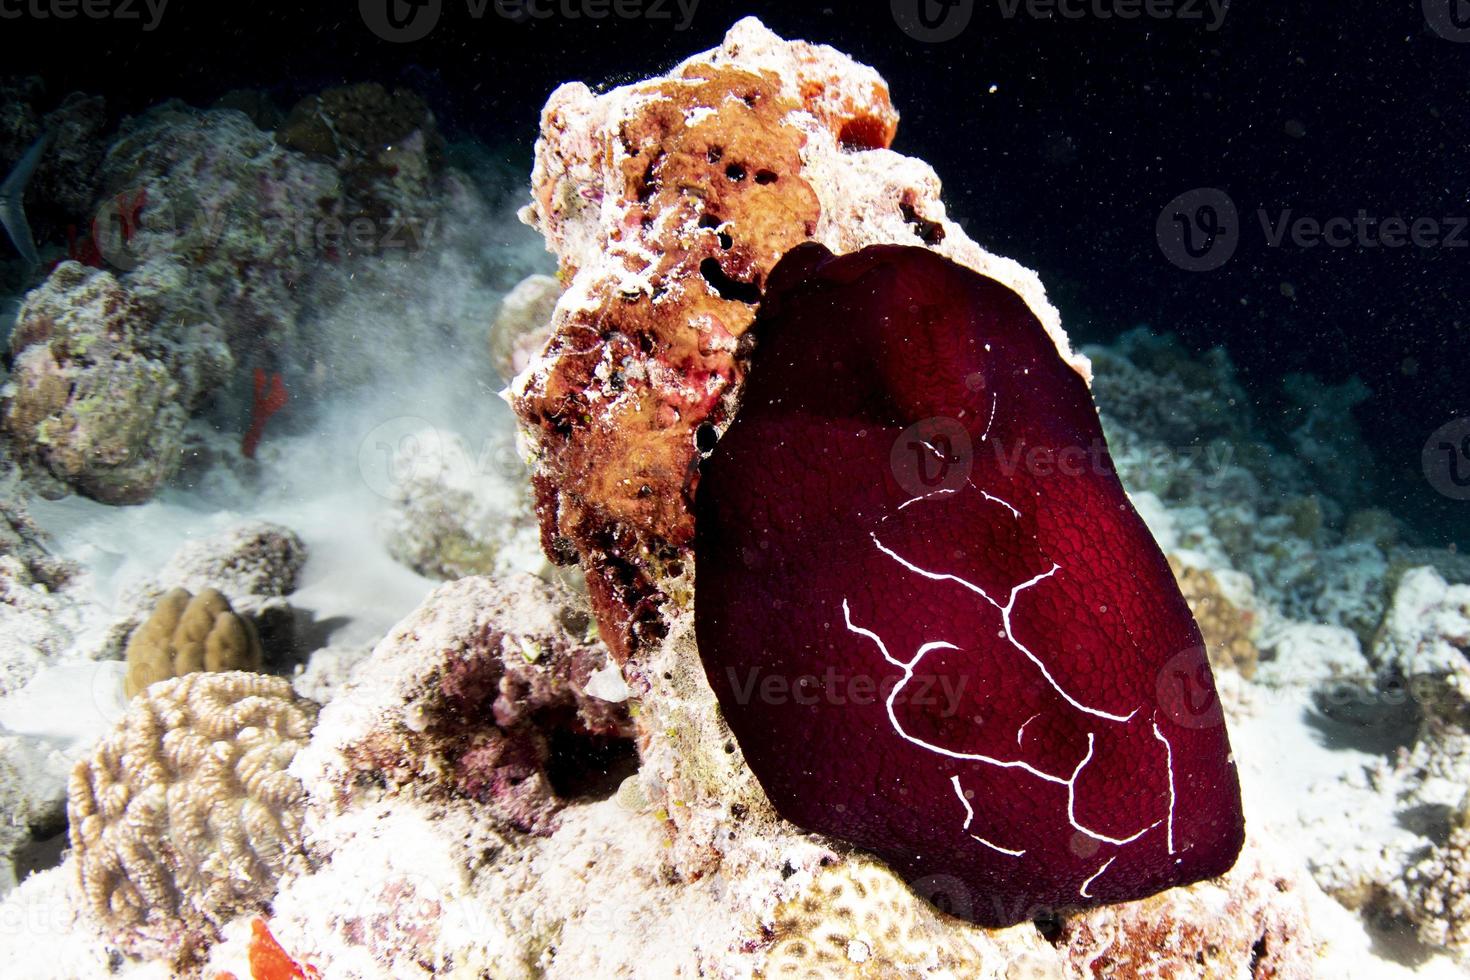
{"x": 674, "y": 488}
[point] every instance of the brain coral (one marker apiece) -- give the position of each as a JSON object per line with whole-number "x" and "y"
{"x": 185, "y": 815}
{"x": 857, "y": 920}
{"x": 188, "y": 633}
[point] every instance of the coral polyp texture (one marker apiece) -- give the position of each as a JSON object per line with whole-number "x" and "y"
{"x": 188, "y": 633}
{"x": 185, "y": 815}
{"x": 980, "y": 649}
{"x": 667, "y": 203}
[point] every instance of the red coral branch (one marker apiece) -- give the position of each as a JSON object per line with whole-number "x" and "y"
{"x": 268, "y": 401}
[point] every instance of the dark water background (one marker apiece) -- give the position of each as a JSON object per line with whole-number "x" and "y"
{"x": 1093, "y": 127}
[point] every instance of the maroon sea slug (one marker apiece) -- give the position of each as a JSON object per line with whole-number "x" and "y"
{"x": 934, "y": 622}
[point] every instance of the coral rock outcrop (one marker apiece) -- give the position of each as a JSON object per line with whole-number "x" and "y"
{"x": 523, "y": 323}
{"x": 469, "y": 700}
{"x": 102, "y": 383}
{"x": 667, "y": 203}
{"x": 1228, "y": 628}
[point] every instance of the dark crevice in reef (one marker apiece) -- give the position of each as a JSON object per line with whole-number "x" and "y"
{"x": 931, "y": 233}
{"x": 588, "y": 767}
{"x": 705, "y": 438}
{"x": 1049, "y": 925}
{"x": 727, "y": 287}
{"x": 1258, "y": 951}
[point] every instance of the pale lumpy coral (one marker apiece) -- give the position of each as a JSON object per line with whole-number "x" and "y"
{"x": 254, "y": 559}
{"x": 185, "y": 815}
{"x": 188, "y": 633}
{"x": 459, "y": 511}
{"x": 523, "y": 323}
{"x": 1434, "y": 894}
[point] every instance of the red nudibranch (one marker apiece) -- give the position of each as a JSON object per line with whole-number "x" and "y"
{"x": 268, "y": 401}
{"x": 933, "y": 620}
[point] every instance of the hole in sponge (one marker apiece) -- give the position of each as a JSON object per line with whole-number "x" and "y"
{"x": 727, "y": 287}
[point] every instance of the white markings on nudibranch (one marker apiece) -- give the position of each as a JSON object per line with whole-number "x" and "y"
{"x": 927, "y": 496}
{"x": 994, "y": 400}
{"x": 1072, "y": 805}
{"x": 969, "y": 818}
{"x": 1169, "y": 758}
{"x": 1095, "y": 875}
{"x": 1022, "y": 729}
{"x": 1006, "y": 610}
{"x": 969, "y": 810}
{"x": 994, "y": 499}
{"x": 1005, "y": 614}
{"x": 908, "y": 675}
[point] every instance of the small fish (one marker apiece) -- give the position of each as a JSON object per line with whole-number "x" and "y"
{"x": 12, "y": 200}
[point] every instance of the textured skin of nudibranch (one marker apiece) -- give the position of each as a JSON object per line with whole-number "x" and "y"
{"x": 931, "y": 616}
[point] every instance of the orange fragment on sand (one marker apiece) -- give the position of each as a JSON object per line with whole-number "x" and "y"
{"x": 268, "y": 961}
